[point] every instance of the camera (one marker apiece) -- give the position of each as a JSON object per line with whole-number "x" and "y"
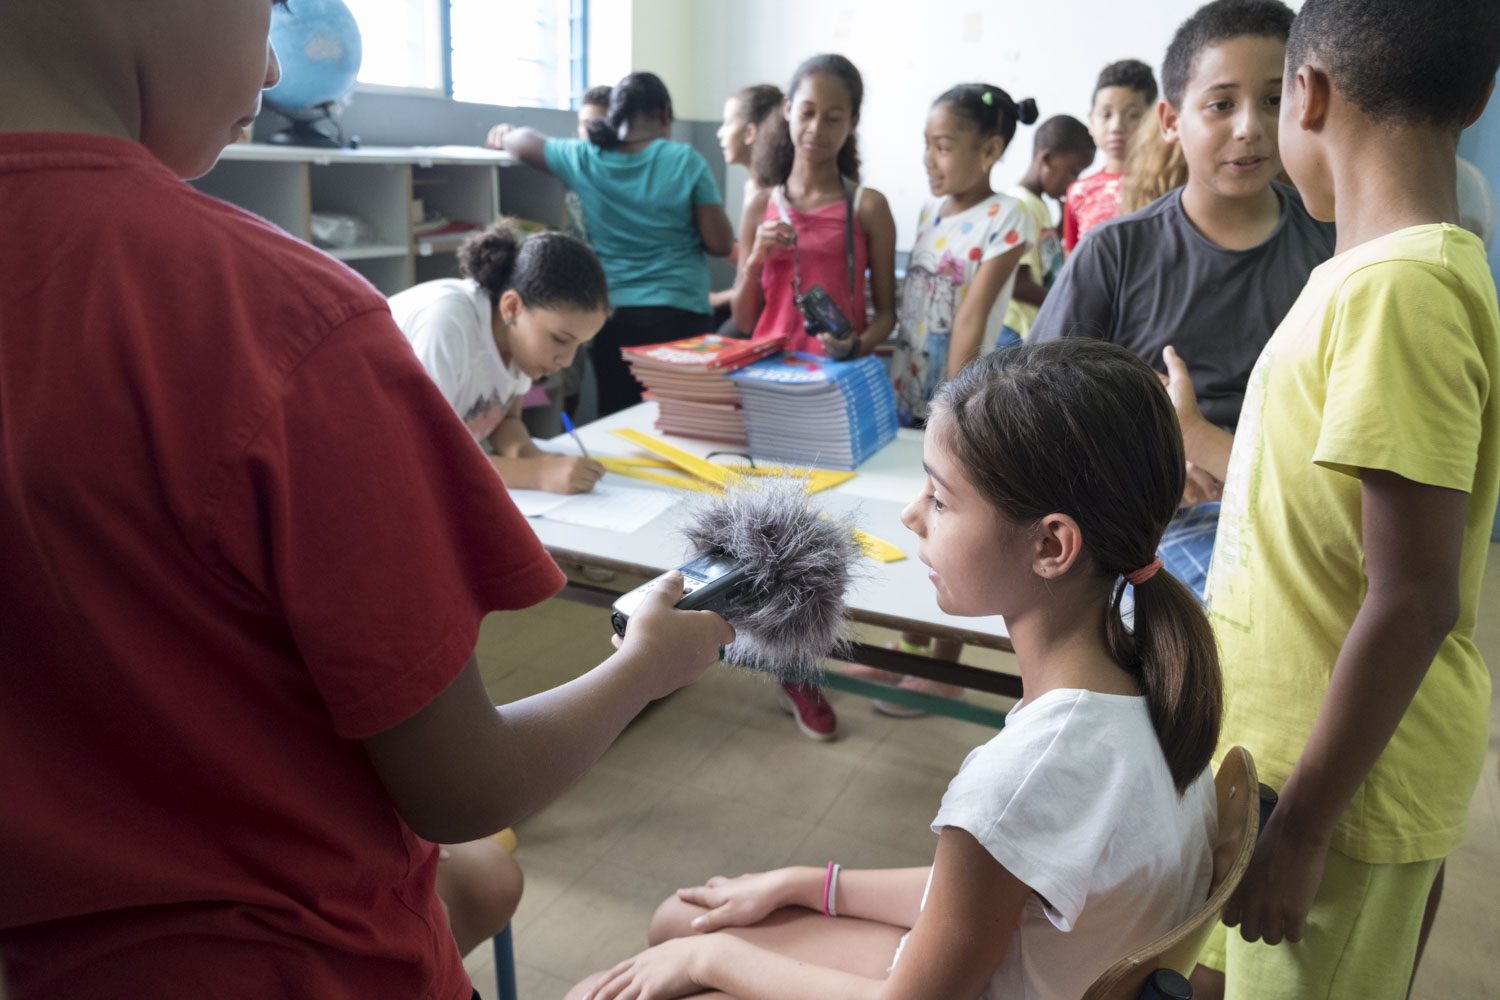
{"x": 708, "y": 584}
{"x": 820, "y": 314}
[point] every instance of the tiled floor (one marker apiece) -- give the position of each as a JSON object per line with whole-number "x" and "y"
{"x": 716, "y": 779}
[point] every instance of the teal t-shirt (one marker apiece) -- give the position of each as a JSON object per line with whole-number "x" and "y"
{"x": 641, "y": 222}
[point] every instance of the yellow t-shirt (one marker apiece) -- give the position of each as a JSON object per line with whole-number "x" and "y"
{"x": 1388, "y": 360}
{"x": 1044, "y": 257}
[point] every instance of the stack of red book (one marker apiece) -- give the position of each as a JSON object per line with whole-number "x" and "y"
{"x": 688, "y": 379}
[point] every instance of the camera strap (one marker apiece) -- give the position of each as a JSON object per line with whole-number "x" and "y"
{"x": 779, "y": 197}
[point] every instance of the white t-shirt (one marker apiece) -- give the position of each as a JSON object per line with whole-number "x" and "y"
{"x": 1073, "y": 797}
{"x": 447, "y": 323}
{"x": 944, "y": 259}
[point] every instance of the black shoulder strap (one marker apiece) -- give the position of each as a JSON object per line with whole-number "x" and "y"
{"x": 849, "y": 239}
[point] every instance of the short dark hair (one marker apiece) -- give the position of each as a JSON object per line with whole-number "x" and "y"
{"x": 1214, "y": 23}
{"x": 989, "y": 109}
{"x": 597, "y": 97}
{"x": 1063, "y": 134}
{"x": 548, "y": 270}
{"x": 1397, "y": 60}
{"x": 1130, "y": 73}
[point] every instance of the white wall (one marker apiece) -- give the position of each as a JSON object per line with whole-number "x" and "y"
{"x": 908, "y": 52}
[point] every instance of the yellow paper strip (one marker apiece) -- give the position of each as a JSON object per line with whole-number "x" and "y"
{"x": 878, "y": 549}
{"x": 676, "y": 479}
{"x": 705, "y": 470}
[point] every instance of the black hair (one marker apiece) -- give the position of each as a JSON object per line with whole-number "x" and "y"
{"x": 597, "y": 97}
{"x": 636, "y": 94}
{"x": 548, "y": 270}
{"x": 779, "y": 151}
{"x": 1063, "y": 134}
{"x": 1212, "y": 24}
{"x": 1085, "y": 428}
{"x": 1130, "y": 73}
{"x": 758, "y": 100}
{"x": 991, "y": 110}
{"x": 1396, "y": 60}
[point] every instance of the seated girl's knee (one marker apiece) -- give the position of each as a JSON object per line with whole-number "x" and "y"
{"x": 672, "y": 919}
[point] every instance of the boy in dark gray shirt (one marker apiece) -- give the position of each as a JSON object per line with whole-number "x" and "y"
{"x": 1211, "y": 268}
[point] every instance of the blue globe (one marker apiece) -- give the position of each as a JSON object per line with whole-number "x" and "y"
{"x": 318, "y": 44}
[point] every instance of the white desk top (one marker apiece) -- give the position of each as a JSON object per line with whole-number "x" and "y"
{"x": 421, "y": 156}
{"x": 895, "y": 595}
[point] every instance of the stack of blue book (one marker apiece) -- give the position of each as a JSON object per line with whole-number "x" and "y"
{"x": 807, "y": 409}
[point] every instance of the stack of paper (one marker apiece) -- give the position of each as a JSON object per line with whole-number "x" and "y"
{"x": 688, "y": 380}
{"x": 807, "y": 409}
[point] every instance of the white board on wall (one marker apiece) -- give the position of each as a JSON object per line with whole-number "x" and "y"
{"x": 910, "y": 51}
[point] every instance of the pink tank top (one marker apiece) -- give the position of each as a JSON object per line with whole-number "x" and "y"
{"x": 825, "y": 261}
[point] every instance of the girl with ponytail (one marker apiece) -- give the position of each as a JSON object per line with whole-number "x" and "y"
{"x": 1084, "y": 829}
{"x": 815, "y": 222}
{"x": 520, "y": 311}
{"x": 653, "y": 210}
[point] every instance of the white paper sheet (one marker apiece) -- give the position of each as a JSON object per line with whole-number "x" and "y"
{"x": 613, "y": 508}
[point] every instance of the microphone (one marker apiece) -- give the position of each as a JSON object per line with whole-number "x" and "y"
{"x": 772, "y": 567}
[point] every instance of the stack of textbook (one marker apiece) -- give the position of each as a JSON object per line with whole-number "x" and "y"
{"x": 689, "y": 381}
{"x": 806, "y": 409}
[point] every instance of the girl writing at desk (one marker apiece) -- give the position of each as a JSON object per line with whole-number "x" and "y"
{"x": 520, "y": 312}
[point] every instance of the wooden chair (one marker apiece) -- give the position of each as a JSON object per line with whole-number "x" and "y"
{"x": 1238, "y": 795}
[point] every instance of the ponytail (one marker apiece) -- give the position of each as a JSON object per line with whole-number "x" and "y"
{"x": 779, "y": 152}
{"x": 547, "y": 270}
{"x": 636, "y": 94}
{"x": 1165, "y": 653}
{"x": 1085, "y": 428}
{"x": 990, "y": 109}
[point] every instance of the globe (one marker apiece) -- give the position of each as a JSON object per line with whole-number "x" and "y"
{"x": 318, "y": 44}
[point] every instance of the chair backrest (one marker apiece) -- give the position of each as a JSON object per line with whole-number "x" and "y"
{"x": 1237, "y": 791}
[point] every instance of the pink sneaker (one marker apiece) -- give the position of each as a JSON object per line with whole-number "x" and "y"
{"x": 807, "y": 706}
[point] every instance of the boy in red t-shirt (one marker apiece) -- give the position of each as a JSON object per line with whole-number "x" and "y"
{"x": 245, "y": 547}
{"x": 1123, "y": 94}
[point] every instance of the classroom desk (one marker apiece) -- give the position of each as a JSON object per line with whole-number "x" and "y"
{"x": 894, "y": 595}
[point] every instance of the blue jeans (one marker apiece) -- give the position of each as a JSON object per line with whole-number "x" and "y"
{"x": 1188, "y": 544}
{"x": 1007, "y": 338}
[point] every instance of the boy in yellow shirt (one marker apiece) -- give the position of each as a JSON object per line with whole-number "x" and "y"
{"x": 1357, "y": 509}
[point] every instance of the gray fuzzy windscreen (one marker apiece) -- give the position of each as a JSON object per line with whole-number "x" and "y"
{"x": 801, "y": 562}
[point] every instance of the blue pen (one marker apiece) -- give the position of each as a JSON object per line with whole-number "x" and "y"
{"x": 573, "y": 433}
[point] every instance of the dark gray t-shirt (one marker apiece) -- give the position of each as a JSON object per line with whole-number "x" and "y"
{"x": 1149, "y": 280}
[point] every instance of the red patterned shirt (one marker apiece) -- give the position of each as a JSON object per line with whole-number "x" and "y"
{"x": 1093, "y": 200}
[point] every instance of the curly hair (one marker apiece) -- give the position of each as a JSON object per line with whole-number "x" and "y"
{"x": 548, "y": 270}
{"x": 1397, "y": 60}
{"x": 1130, "y": 73}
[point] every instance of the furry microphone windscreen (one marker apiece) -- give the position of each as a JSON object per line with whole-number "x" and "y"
{"x": 792, "y": 614}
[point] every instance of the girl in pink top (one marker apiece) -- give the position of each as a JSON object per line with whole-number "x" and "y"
{"x": 808, "y": 223}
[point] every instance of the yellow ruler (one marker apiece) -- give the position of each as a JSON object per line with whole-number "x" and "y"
{"x": 702, "y": 476}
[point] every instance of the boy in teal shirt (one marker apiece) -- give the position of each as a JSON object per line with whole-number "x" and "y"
{"x": 1357, "y": 507}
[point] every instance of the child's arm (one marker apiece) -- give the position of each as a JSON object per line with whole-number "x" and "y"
{"x": 461, "y": 768}
{"x": 714, "y": 229}
{"x": 1207, "y": 445}
{"x": 956, "y": 945}
{"x": 759, "y": 239}
{"x": 880, "y": 241}
{"x": 524, "y": 466}
{"x": 525, "y": 144}
{"x": 887, "y": 895}
{"x": 1413, "y": 540}
{"x": 974, "y": 311}
{"x": 1027, "y": 290}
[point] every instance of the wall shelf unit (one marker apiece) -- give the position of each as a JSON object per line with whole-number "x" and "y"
{"x": 387, "y": 187}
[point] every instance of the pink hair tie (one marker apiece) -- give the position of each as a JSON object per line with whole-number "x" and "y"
{"x": 1145, "y": 573}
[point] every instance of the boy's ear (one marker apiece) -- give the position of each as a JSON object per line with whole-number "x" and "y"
{"x": 1167, "y": 118}
{"x": 1059, "y": 543}
{"x": 1478, "y": 109}
{"x": 1313, "y": 94}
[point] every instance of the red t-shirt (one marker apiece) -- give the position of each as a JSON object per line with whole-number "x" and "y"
{"x": 240, "y": 530}
{"x": 1090, "y": 201}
